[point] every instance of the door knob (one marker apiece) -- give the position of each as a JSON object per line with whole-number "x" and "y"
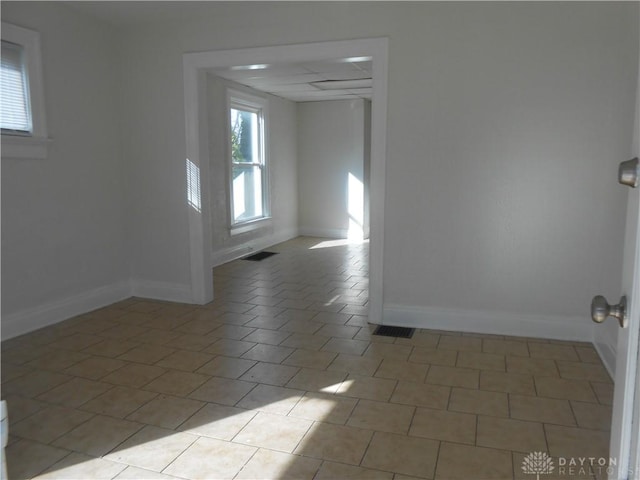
{"x": 600, "y": 310}
{"x": 628, "y": 173}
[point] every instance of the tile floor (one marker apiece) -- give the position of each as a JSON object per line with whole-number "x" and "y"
{"x": 280, "y": 377}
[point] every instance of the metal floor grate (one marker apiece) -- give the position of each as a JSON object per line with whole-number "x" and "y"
{"x": 256, "y": 257}
{"x": 389, "y": 331}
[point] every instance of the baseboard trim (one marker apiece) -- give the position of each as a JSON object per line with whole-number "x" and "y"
{"x": 238, "y": 251}
{"x": 496, "y": 323}
{"x": 29, "y": 319}
{"x": 170, "y": 292}
{"x": 324, "y": 232}
{"x": 606, "y": 349}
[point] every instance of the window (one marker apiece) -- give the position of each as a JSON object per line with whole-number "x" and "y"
{"x": 249, "y": 186}
{"x": 22, "y": 119}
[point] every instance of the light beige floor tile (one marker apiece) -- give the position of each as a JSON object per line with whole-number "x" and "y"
{"x": 549, "y": 350}
{"x": 111, "y": 348}
{"x": 422, "y": 339}
{"x": 217, "y": 421}
{"x": 276, "y": 432}
{"x": 310, "y": 359}
{"x": 75, "y": 392}
{"x": 345, "y": 345}
{"x": 509, "y": 434}
{"x": 25, "y": 458}
{"x": 268, "y": 353}
{"x": 76, "y": 342}
{"x": 466, "y": 344}
{"x": 324, "y": 408}
{"x": 481, "y": 361}
{"x": 119, "y": 401}
{"x": 95, "y": 368}
{"x": 225, "y": 391}
{"x": 532, "y": 366}
{"x": 57, "y": 360}
{"x": 134, "y": 375}
{"x": 537, "y": 409}
{"x": 381, "y": 416}
{"x": 187, "y": 361}
{"x": 306, "y": 341}
{"x": 401, "y": 370}
{"x": 301, "y": 326}
{"x": 135, "y": 473}
{"x": 577, "y": 442}
{"x": 148, "y": 354}
{"x": 463, "y": 462}
{"x": 98, "y": 435}
{"x": 553, "y": 387}
{"x": 504, "y": 347}
{"x": 271, "y": 399}
{"x": 444, "y": 425}
{"x": 166, "y": 411}
{"x": 270, "y": 464}
{"x": 80, "y": 467}
{"x": 270, "y": 373}
{"x": 480, "y": 402}
{"x": 152, "y": 448}
{"x": 583, "y": 371}
{"x": 176, "y": 383}
{"x": 34, "y": 383}
{"x": 229, "y": 347}
{"x": 453, "y": 376}
{"x": 433, "y": 356}
{"x": 368, "y": 388}
{"x": 49, "y": 423}
{"x": 332, "y": 471}
{"x": 402, "y": 454}
{"x": 604, "y": 392}
{"x": 592, "y": 416}
{"x": 19, "y": 408}
{"x": 228, "y": 367}
{"x": 507, "y": 382}
{"x": 421, "y": 395}
{"x": 356, "y": 364}
{"x": 335, "y": 443}
{"x": 388, "y": 350}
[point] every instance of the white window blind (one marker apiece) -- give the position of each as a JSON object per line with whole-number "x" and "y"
{"x": 15, "y": 110}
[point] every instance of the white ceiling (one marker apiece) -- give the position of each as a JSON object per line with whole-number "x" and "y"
{"x": 339, "y": 79}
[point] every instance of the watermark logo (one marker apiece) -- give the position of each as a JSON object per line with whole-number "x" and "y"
{"x": 537, "y": 463}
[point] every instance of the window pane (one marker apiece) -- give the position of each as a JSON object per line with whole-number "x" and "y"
{"x": 244, "y": 136}
{"x": 15, "y": 113}
{"x": 247, "y": 193}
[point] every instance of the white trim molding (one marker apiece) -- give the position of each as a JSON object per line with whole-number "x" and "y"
{"x": 494, "y": 323}
{"x": 30, "y": 319}
{"x": 195, "y": 66}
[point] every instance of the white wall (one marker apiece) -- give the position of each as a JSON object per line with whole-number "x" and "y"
{"x": 331, "y": 150}
{"x": 63, "y": 236}
{"x": 505, "y": 122}
{"x": 282, "y": 165}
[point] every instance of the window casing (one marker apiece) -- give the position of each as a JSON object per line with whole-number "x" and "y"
{"x": 248, "y": 175}
{"x": 22, "y": 119}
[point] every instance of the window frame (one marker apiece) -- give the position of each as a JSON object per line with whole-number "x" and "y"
{"x": 32, "y": 144}
{"x": 240, "y": 100}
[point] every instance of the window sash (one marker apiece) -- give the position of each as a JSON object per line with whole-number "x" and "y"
{"x": 15, "y": 114}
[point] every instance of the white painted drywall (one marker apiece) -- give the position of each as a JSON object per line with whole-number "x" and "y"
{"x": 63, "y": 236}
{"x": 282, "y": 167}
{"x": 331, "y": 160}
{"x": 505, "y": 123}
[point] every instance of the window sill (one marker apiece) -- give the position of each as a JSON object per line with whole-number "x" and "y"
{"x": 250, "y": 226}
{"x": 17, "y": 147}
